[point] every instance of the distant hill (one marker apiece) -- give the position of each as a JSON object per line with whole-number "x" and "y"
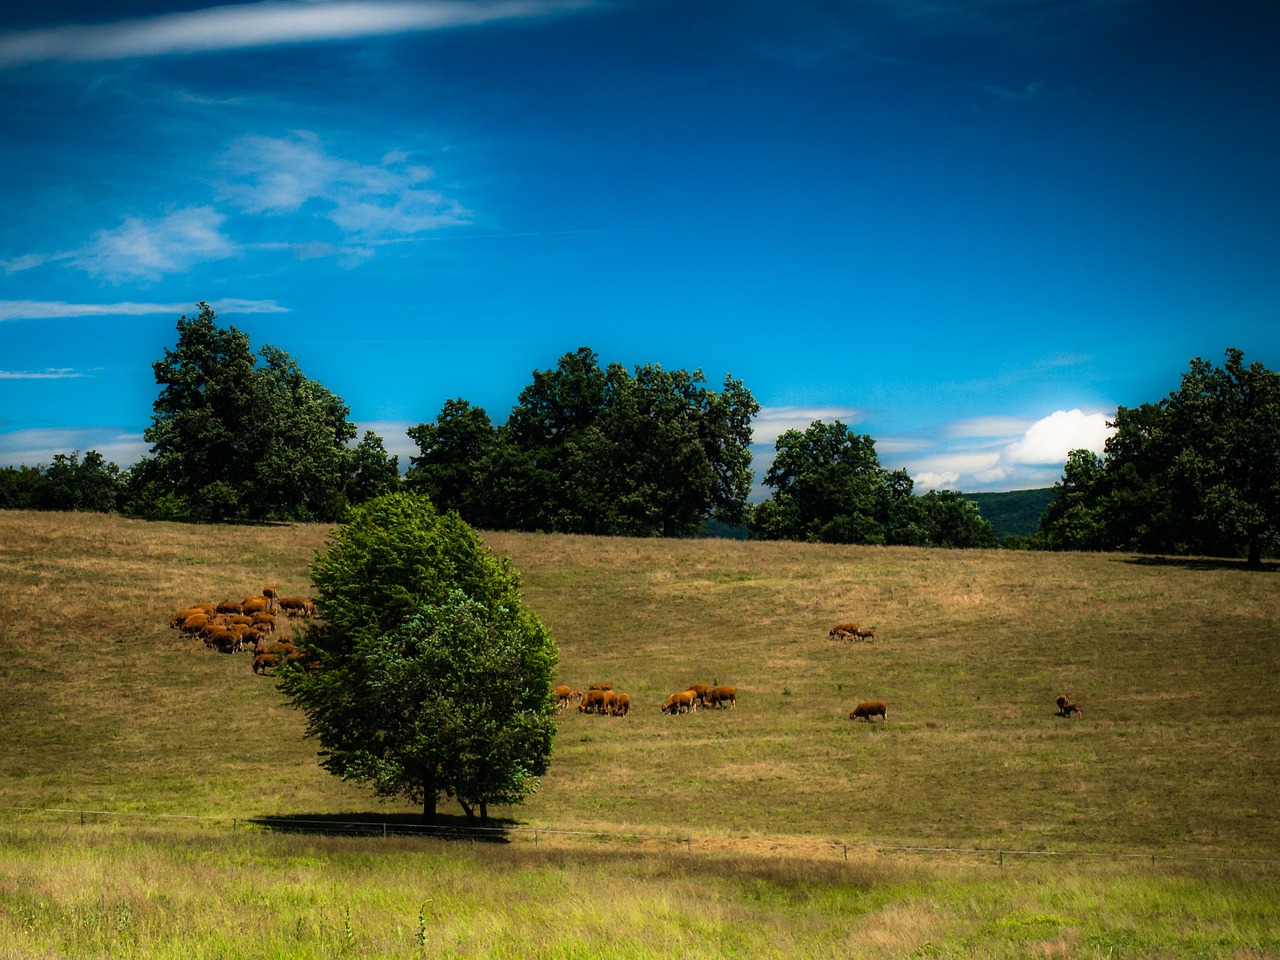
{"x": 1016, "y": 512}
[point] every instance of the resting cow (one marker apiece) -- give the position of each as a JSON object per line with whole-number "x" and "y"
{"x": 720, "y": 696}
{"x": 865, "y": 711}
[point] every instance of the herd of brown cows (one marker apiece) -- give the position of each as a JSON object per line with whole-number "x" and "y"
{"x": 249, "y": 624}
{"x": 602, "y": 699}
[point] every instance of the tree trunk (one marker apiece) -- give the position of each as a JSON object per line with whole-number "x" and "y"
{"x": 471, "y": 814}
{"x": 429, "y": 802}
{"x": 484, "y": 813}
{"x": 1255, "y": 553}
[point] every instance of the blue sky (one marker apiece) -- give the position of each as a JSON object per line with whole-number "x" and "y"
{"x": 969, "y": 229}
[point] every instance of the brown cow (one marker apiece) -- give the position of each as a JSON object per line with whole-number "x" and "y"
{"x": 562, "y": 695}
{"x": 1071, "y": 709}
{"x": 867, "y": 634}
{"x": 265, "y": 661}
{"x": 700, "y": 691}
{"x": 297, "y": 606}
{"x": 622, "y": 706}
{"x": 228, "y": 606}
{"x": 607, "y": 702}
{"x": 719, "y": 696}
{"x": 182, "y": 616}
{"x": 847, "y": 629}
{"x": 876, "y": 708}
{"x": 682, "y": 702}
{"x": 194, "y": 623}
{"x": 600, "y": 686}
{"x": 1062, "y": 701}
{"x": 591, "y": 701}
{"x": 252, "y": 605}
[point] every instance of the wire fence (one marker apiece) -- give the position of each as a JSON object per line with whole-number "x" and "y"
{"x": 541, "y": 836}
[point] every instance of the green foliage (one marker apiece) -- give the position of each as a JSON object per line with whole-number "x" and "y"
{"x": 68, "y": 483}
{"x": 231, "y": 439}
{"x": 428, "y": 677}
{"x": 829, "y": 487}
{"x": 1014, "y": 513}
{"x": 1198, "y": 472}
{"x": 595, "y": 451}
{"x": 374, "y": 472}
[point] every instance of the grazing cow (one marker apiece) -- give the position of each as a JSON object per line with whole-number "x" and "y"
{"x": 252, "y": 605}
{"x": 591, "y": 701}
{"x": 600, "y": 686}
{"x": 226, "y": 641}
{"x": 682, "y": 702}
{"x": 867, "y": 634}
{"x": 843, "y": 630}
{"x": 700, "y": 691}
{"x": 608, "y": 701}
{"x": 622, "y": 706}
{"x": 1072, "y": 709}
{"x": 267, "y": 621}
{"x": 228, "y": 606}
{"x": 1062, "y": 701}
{"x": 297, "y": 606}
{"x": 182, "y": 616}
{"x": 194, "y": 623}
{"x": 865, "y": 711}
{"x": 720, "y": 696}
{"x": 265, "y": 661}
{"x": 562, "y": 694}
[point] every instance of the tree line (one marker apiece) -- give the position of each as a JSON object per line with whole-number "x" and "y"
{"x": 239, "y": 436}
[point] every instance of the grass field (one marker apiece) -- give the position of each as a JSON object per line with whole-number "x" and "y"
{"x": 1177, "y": 754}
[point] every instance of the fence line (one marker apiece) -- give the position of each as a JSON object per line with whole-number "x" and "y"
{"x": 386, "y": 829}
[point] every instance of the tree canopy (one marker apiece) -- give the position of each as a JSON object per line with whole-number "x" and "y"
{"x": 828, "y": 486}
{"x": 598, "y": 451}
{"x": 427, "y": 675}
{"x": 1196, "y": 473}
{"x": 232, "y": 438}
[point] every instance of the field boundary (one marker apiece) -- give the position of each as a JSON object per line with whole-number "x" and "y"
{"x": 539, "y": 836}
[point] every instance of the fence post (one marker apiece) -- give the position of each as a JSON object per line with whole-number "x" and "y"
{"x": 82, "y": 818}
{"x": 688, "y": 844}
{"x": 233, "y": 824}
{"x": 384, "y": 831}
{"x": 1001, "y": 859}
{"x": 535, "y": 838}
{"x": 846, "y": 850}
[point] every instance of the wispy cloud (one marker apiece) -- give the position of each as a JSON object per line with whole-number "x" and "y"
{"x": 772, "y": 422}
{"x": 275, "y": 176}
{"x": 149, "y": 249}
{"x": 38, "y": 447}
{"x": 247, "y": 25}
{"x": 61, "y": 373}
{"x": 57, "y": 309}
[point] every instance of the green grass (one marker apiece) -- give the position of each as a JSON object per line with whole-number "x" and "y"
{"x": 102, "y": 891}
{"x": 1176, "y": 663}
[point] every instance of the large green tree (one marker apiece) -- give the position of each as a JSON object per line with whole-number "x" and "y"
{"x": 1196, "y": 473}
{"x": 828, "y": 486}
{"x": 586, "y": 450}
{"x": 427, "y": 676}
{"x": 234, "y": 439}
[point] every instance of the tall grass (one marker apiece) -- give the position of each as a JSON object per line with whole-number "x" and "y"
{"x": 141, "y": 892}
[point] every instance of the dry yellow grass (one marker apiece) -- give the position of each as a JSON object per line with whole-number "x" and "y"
{"x": 1175, "y": 663}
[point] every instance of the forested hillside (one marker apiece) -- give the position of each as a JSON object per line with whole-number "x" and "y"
{"x": 1015, "y": 513}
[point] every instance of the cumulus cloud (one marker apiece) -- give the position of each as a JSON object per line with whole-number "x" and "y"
{"x": 246, "y": 25}
{"x": 149, "y": 249}
{"x": 58, "y": 309}
{"x": 1007, "y": 453}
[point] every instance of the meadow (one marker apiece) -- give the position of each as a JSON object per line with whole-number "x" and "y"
{"x": 1148, "y": 826}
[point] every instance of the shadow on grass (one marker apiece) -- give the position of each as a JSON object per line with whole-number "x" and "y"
{"x": 446, "y": 827}
{"x": 1200, "y": 563}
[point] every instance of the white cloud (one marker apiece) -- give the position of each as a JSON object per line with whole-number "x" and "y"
{"x": 33, "y": 448}
{"x": 771, "y": 422}
{"x": 149, "y": 249}
{"x": 245, "y": 25}
{"x": 1026, "y": 456}
{"x": 275, "y": 176}
{"x": 57, "y": 309}
{"x": 1048, "y": 441}
{"x": 50, "y": 373}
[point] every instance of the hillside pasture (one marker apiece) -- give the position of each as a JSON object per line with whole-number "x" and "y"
{"x": 1175, "y": 664}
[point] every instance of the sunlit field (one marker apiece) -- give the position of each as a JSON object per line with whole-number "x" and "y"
{"x": 1167, "y": 782}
